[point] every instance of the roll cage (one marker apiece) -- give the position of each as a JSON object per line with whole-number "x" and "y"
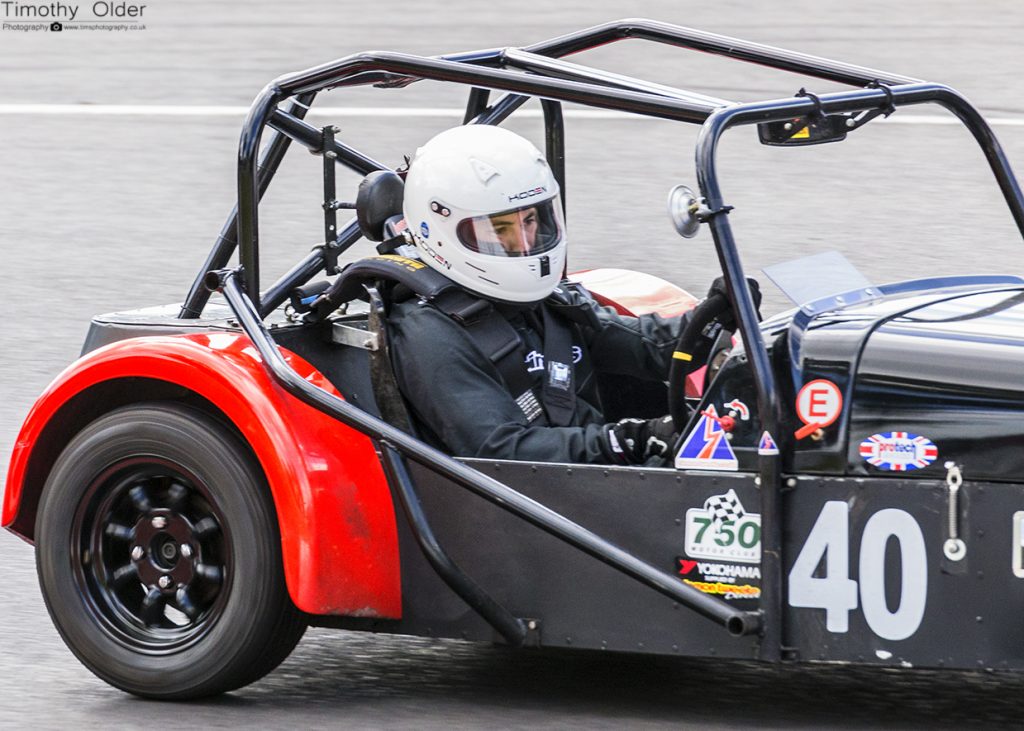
{"x": 539, "y": 71}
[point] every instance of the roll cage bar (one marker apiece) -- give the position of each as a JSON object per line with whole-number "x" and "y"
{"x": 523, "y": 73}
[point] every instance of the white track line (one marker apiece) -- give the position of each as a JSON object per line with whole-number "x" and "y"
{"x": 159, "y": 110}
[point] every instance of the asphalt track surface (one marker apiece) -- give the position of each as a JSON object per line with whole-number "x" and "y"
{"x": 101, "y": 212}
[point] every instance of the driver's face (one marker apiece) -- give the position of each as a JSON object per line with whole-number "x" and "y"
{"x": 516, "y": 231}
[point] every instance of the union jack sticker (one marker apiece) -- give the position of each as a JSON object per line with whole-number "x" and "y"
{"x": 898, "y": 451}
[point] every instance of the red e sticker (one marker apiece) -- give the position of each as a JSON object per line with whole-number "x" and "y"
{"x": 819, "y": 402}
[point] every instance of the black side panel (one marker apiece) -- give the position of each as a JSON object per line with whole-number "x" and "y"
{"x": 868, "y": 580}
{"x": 908, "y": 604}
{"x": 161, "y": 320}
{"x": 576, "y": 600}
{"x": 348, "y": 368}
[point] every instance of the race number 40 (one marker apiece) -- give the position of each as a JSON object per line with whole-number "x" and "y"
{"x": 837, "y": 593}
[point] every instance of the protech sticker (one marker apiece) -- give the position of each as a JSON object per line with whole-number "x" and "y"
{"x": 898, "y": 451}
{"x": 722, "y": 530}
{"x": 767, "y": 445}
{"x": 424, "y": 230}
{"x": 706, "y": 447}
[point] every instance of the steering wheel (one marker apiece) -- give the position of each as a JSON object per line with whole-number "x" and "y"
{"x": 694, "y": 349}
{"x": 710, "y": 322}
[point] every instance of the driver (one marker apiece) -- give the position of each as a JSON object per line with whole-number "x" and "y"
{"x": 509, "y": 373}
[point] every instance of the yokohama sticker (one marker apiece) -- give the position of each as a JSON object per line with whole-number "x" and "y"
{"x": 722, "y": 530}
{"x": 730, "y": 581}
{"x": 898, "y": 451}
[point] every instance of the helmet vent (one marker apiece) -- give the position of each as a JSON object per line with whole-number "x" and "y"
{"x": 483, "y": 170}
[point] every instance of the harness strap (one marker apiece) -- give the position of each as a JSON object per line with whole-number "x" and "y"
{"x": 559, "y": 390}
{"x": 382, "y": 377}
{"x": 498, "y": 340}
{"x": 493, "y": 334}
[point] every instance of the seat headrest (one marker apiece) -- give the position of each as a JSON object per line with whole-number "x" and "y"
{"x": 379, "y": 198}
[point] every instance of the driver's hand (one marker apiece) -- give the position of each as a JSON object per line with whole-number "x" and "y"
{"x": 635, "y": 441}
{"x": 728, "y": 320}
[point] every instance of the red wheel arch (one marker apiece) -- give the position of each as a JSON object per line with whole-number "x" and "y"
{"x": 338, "y": 532}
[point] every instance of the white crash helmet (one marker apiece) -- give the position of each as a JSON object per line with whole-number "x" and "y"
{"x": 484, "y": 210}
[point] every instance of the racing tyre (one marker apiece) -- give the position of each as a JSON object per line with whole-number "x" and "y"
{"x": 159, "y": 555}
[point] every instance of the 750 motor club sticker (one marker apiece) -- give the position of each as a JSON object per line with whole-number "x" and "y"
{"x": 722, "y": 540}
{"x": 722, "y": 530}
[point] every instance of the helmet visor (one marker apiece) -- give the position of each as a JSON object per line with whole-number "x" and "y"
{"x": 524, "y": 231}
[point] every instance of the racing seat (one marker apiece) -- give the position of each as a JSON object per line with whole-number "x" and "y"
{"x": 379, "y": 213}
{"x": 378, "y": 281}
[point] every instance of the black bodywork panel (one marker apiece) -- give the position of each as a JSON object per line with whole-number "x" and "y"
{"x": 969, "y": 617}
{"x": 954, "y": 371}
{"x": 946, "y": 364}
{"x": 577, "y": 601}
{"x": 347, "y": 368}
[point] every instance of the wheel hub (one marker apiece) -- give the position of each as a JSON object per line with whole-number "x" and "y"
{"x": 165, "y": 537}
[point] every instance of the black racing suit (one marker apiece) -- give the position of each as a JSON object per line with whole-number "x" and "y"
{"x": 459, "y": 400}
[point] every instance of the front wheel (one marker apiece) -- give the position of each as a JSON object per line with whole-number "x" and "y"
{"x": 159, "y": 555}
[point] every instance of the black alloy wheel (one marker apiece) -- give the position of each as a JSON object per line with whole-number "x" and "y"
{"x": 150, "y": 554}
{"x": 159, "y": 555}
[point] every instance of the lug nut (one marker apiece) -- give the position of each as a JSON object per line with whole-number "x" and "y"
{"x": 159, "y": 522}
{"x": 137, "y": 553}
{"x": 164, "y": 582}
{"x": 186, "y": 550}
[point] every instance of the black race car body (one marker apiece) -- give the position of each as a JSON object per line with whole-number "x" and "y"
{"x": 936, "y": 358}
{"x": 848, "y": 485}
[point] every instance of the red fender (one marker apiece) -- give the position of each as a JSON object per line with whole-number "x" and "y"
{"x": 635, "y": 293}
{"x": 338, "y": 532}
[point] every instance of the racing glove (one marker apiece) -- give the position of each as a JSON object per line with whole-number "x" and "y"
{"x": 636, "y": 441}
{"x": 728, "y": 319}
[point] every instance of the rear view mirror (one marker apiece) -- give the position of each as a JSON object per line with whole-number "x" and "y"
{"x": 683, "y": 205}
{"x": 811, "y": 130}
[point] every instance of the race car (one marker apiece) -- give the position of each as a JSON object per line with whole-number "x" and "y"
{"x": 210, "y": 478}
